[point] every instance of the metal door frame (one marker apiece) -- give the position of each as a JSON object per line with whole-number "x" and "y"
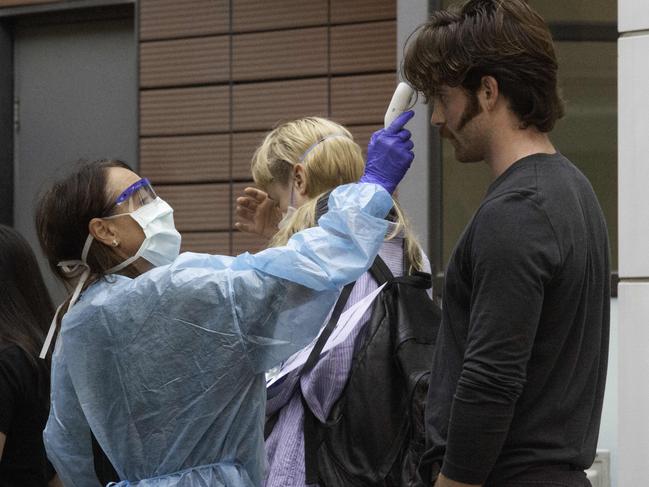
{"x": 77, "y": 11}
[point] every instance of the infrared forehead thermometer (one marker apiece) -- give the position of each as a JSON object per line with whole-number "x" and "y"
{"x": 400, "y": 102}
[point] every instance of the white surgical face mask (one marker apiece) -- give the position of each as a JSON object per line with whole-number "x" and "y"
{"x": 286, "y": 217}
{"x": 161, "y": 243}
{"x": 161, "y": 246}
{"x": 290, "y": 210}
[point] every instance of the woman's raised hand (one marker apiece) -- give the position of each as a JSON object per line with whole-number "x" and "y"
{"x": 389, "y": 154}
{"x": 257, "y": 213}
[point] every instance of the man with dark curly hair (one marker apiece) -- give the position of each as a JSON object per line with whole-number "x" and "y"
{"x": 518, "y": 376}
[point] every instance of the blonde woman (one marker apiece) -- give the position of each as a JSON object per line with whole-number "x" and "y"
{"x": 294, "y": 168}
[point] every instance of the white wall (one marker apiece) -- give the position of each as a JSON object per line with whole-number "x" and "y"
{"x": 414, "y": 190}
{"x": 633, "y": 171}
{"x": 608, "y": 433}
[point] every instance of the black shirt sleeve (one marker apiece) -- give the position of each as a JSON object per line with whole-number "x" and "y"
{"x": 512, "y": 254}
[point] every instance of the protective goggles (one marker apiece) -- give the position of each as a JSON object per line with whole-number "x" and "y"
{"x": 135, "y": 196}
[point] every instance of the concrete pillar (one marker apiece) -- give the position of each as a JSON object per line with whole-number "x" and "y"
{"x": 414, "y": 191}
{"x": 633, "y": 183}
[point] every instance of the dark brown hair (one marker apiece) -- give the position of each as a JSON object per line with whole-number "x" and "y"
{"x": 64, "y": 212}
{"x": 505, "y": 39}
{"x": 25, "y": 307}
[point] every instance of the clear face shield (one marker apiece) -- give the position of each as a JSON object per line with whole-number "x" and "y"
{"x": 161, "y": 244}
{"x": 135, "y": 196}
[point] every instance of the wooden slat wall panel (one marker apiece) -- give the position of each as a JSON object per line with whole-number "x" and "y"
{"x": 362, "y": 134}
{"x": 191, "y": 147}
{"x": 184, "y": 111}
{"x": 164, "y": 19}
{"x": 198, "y": 207}
{"x": 343, "y": 11}
{"x": 185, "y": 62}
{"x": 185, "y": 159}
{"x": 237, "y": 190}
{"x": 14, "y": 3}
{"x": 277, "y": 14}
{"x": 362, "y": 48}
{"x": 246, "y": 242}
{"x": 260, "y": 106}
{"x": 361, "y": 99}
{"x": 244, "y": 145}
{"x": 281, "y": 54}
{"x": 216, "y": 243}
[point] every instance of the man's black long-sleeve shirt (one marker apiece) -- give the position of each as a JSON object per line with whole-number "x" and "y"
{"x": 520, "y": 364}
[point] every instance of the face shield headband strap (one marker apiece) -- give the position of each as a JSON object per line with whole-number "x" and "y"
{"x": 313, "y": 146}
{"x": 71, "y": 268}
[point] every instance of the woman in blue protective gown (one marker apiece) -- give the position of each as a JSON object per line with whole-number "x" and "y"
{"x": 160, "y": 356}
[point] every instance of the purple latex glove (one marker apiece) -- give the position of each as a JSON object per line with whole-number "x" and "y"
{"x": 389, "y": 154}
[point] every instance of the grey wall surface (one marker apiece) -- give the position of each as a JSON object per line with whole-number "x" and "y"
{"x": 6, "y": 125}
{"x": 415, "y": 190}
{"x": 76, "y": 88}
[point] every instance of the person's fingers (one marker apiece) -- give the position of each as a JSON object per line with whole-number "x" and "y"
{"x": 409, "y": 145}
{"x": 400, "y": 121}
{"x": 245, "y": 213}
{"x": 243, "y": 210}
{"x": 375, "y": 136}
{"x": 243, "y": 227}
{"x": 404, "y": 134}
{"x": 257, "y": 194}
{"x": 247, "y": 202}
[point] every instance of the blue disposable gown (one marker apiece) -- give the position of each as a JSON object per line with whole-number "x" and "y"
{"x": 167, "y": 369}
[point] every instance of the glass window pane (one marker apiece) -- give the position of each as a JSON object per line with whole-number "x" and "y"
{"x": 576, "y": 10}
{"x": 571, "y": 10}
{"x": 587, "y": 136}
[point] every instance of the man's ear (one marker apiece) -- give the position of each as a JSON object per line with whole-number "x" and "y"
{"x": 103, "y": 231}
{"x": 299, "y": 179}
{"x": 489, "y": 92}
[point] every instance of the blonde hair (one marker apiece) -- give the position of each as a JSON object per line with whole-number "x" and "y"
{"x": 330, "y": 157}
{"x": 335, "y": 158}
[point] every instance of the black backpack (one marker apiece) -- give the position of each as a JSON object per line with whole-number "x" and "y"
{"x": 374, "y": 435}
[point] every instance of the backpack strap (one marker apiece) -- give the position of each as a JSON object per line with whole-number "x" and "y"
{"x": 312, "y": 436}
{"x": 405, "y": 260}
{"x": 381, "y": 274}
{"x": 314, "y": 356}
{"x": 312, "y": 442}
{"x": 380, "y": 271}
{"x": 271, "y": 421}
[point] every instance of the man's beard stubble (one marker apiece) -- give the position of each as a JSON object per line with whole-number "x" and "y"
{"x": 472, "y": 110}
{"x": 466, "y": 150}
